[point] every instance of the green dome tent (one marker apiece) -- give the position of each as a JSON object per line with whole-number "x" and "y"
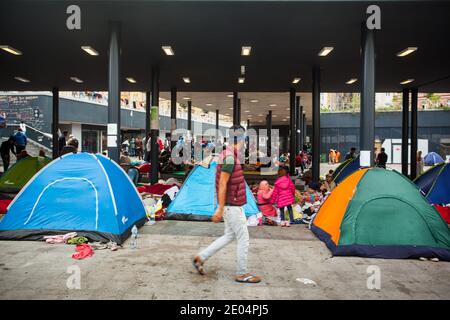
{"x": 20, "y": 173}
{"x": 380, "y": 213}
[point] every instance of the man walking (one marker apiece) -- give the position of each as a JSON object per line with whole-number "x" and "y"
{"x": 231, "y": 194}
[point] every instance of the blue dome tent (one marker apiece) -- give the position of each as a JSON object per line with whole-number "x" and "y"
{"x": 345, "y": 169}
{"x": 432, "y": 158}
{"x": 82, "y": 192}
{"x": 197, "y": 199}
{"x": 435, "y": 184}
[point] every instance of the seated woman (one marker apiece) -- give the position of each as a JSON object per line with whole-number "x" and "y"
{"x": 264, "y": 202}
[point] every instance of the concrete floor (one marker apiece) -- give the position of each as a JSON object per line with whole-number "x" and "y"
{"x": 161, "y": 269}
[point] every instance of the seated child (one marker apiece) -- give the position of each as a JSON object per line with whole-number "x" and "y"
{"x": 328, "y": 185}
{"x": 284, "y": 195}
{"x": 311, "y": 201}
{"x": 264, "y": 203}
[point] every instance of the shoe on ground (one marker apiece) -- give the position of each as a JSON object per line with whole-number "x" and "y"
{"x": 434, "y": 259}
{"x": 423, "y": 259}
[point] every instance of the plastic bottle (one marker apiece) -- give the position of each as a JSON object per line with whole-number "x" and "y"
{"x": 151, "y": 216}
{"x": 134, "y": 235}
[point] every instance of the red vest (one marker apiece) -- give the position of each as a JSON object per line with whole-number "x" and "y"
{"x": 236, "y": 188}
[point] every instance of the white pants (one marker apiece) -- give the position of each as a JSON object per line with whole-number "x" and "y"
{"x": 235, "y": 228}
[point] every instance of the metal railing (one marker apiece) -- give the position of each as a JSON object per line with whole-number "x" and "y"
{"x": 40, "y": 138}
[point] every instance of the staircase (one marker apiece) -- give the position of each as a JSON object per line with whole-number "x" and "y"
{"x": 37, "y": 140}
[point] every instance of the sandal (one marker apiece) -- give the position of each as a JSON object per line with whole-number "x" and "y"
{"x": 248, "y": 278}
{"x": 198, "y": 265}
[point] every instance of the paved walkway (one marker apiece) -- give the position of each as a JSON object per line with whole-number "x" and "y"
{"x": 161, "y": 269}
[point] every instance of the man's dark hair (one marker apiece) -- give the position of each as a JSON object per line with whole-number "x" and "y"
{"x": 65, "y": 132}
{"x": 382, "y": 149}
{"x": 237, "y": 132}
{"x": 353, "y": 149}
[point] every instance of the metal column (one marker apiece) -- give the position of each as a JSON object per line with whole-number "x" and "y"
{"x": 235, "y": 108}
{"x": 239, "y": 111}
{"x": 189, "y": 116}
{"x": 269, "y": 133}
{"x": 414, "y": 93}
{"x": 173, "y": 114}
{"x": 217, "y": 119}
{"x": 154, "y": 125}
{"x": 316, "y": 124}
{"x": 298, "y": 125}
{"x": 292, "y": 131}
{"x": 367, "y": 114}
{"x": 405, "y": 127}
{"x": 55, "y": 123}
{"x": 305, "y": 126}
{"x": 114, "y": 91}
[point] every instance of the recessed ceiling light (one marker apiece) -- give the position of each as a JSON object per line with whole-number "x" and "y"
{"x": 186, "y": 98}
{"x": 89, "y": 50}
{"x": 287, "y": 109}
{"x": 168, "y": 50}
{"x": 274, "y": 116}
{"x": 325, "y": 51}
{"x": 284, "y": 120}
{"x": 260, "y": 121}
{"x": 11, "y": 50}
{"x": 209, "y": 104}
{"x": 247, "y": 111}
{"x": 227, "y": 114}
{"x": 254, "y": 100}
{"x": 230, "y": 96}
{"x": 260, "y": 115}
{"x": 407, "y": 81}
{"x": 241, "y": 80}
{"x": 245, "y": 51}
{"x": 242, "y": 70}
{"x": 272, "y": 105}
{"x": 231, "y": 108}
{"x": 129, "y": 79}
{"x": 75, "y": 79}
{"x": 21, "y": 79}
{"x": 186, "y": 80}
{"x": 406, "y": 51}
{"x": 353, "y": 80}
{"x": 296, "y": 80}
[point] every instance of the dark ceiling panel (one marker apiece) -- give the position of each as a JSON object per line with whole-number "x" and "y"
{"x": 207, "y": 36}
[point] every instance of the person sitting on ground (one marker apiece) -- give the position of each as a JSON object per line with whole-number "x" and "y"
{"x": 264, "y": 195}
{"x": 311, "y": 201}
{"x": 71, "y": 146}
{"x": 328, "y": 185}
{"x": 22, "y": 155}
{"x": 125, "y": 159}
{"x": 351, "y": 154}
{"x": 284, "y": 195}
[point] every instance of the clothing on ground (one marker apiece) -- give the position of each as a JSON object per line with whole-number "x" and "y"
{"x": 83, "y": 251}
